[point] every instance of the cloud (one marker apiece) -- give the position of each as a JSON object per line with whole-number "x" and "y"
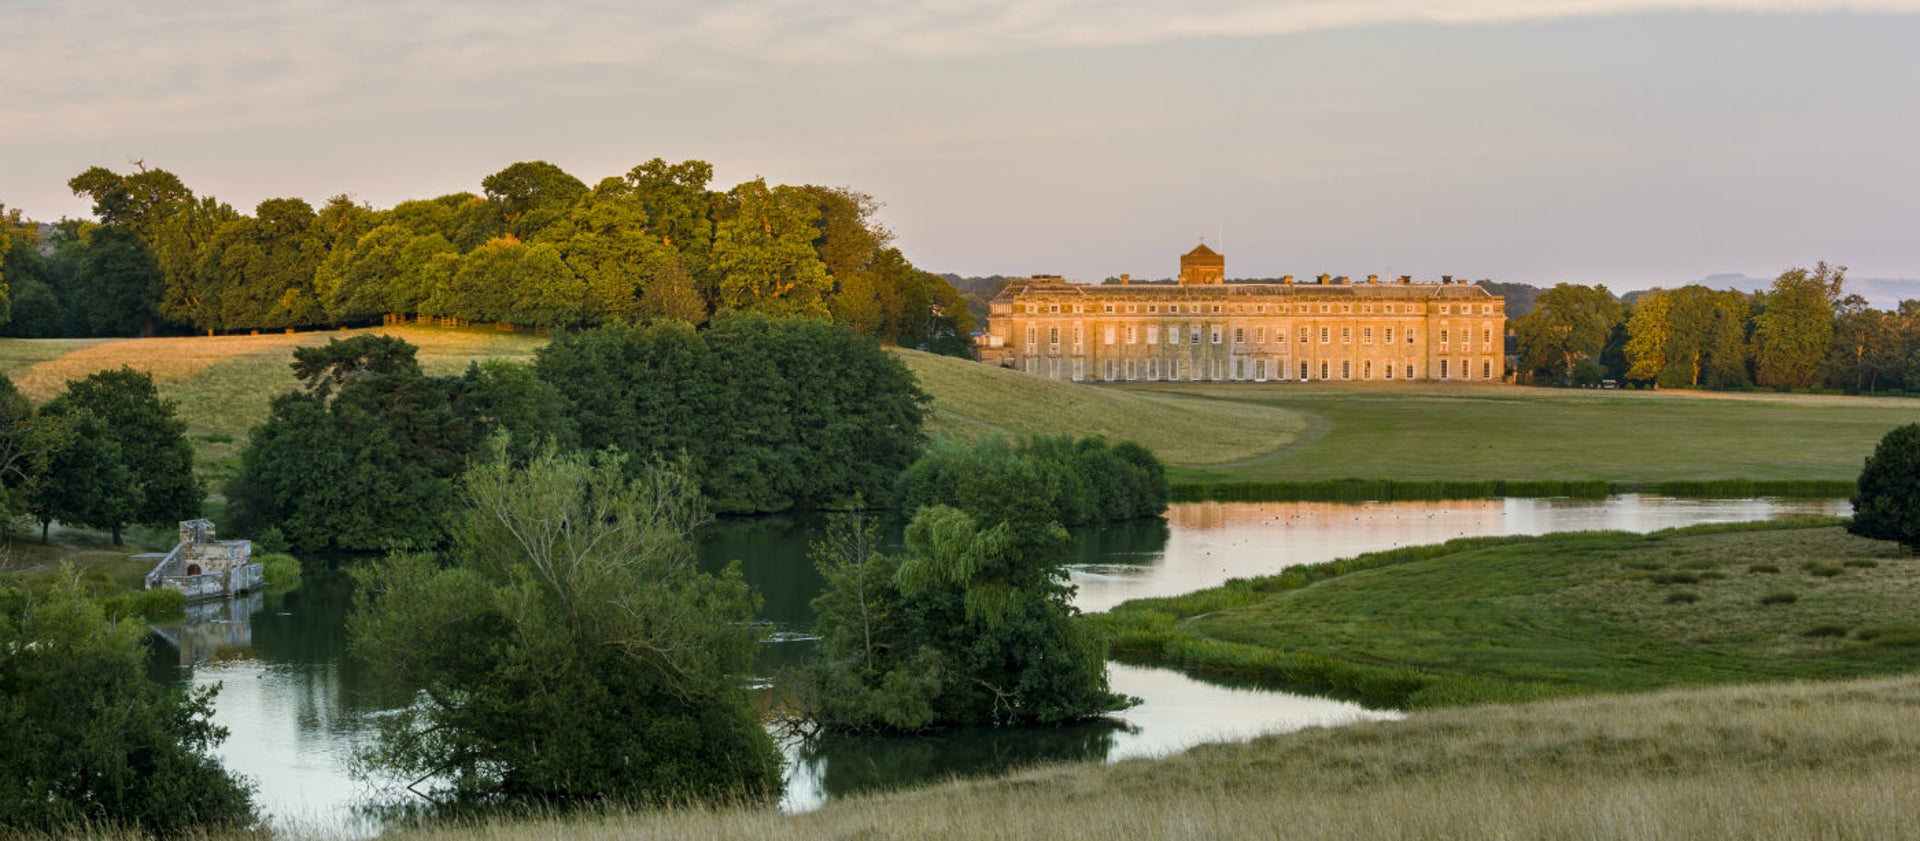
{"x": 84, "y": 67}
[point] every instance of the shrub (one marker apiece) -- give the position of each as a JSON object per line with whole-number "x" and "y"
{"x": 87, "y": 739}
{"x": 1827, "y": 629}
{"x": 1780, "y": 597}
{"x": 1682, "y": 597}
{"x": 1768, "y": 569}
{"x": 1676, "y": 578}
{"x": 279, "y": 569}
{"x": 146, "y": 604}
{"x": 1702, "y": 563}
{"x": 1861, "y": 563}
{"x": 1886, "y": 504}
{"x": 1820, "y": 570}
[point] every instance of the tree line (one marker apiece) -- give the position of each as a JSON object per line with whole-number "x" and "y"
{"x": 768, "y": 414}
{"x": 1805, "y": 331}
{"x": 537, "y": 246}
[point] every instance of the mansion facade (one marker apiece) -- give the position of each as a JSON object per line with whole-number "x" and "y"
{"x": 1203, "y": 328}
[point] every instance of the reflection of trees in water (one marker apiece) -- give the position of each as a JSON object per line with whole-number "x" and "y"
{"x": 1128, "y": 542}
{"x": 849, "y": 763}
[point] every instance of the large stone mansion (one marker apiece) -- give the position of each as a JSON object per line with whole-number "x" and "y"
{"x": 1204, "y": 328}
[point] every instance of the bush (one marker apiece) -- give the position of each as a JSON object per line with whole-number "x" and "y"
{"x": 1779, "y": 597}
{"x": 1676, "y": 578}
{"x": 1825, "y": 630}
{"x": 1860, "y": 563}
{"x": 1769, "y": 569}
{"x": 279, "y": 570}
{"x": 146, "y": 604}
{"x": 1886, "y": 504}
{"x": 1070, "y": 481}
{"x": 1901, "y": 635}
{"x": 88, "y": 740}
{"x": 1820, "y": 570}
{"x": 1682, "y": 597}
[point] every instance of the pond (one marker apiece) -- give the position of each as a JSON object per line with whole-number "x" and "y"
{"x": 297, "y": 708}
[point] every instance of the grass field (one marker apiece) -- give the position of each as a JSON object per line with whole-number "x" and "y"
{"x": 1483, "y": 432}
{"x": 223, "y": 384}
{"x": 1232, "y": 433}
{"x": 1528, "y": 617}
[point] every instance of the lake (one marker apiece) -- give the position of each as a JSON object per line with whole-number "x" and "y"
{"x": 296, "y": 708}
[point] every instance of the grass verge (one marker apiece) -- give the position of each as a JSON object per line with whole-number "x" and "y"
{"x": 1519, "y": 618}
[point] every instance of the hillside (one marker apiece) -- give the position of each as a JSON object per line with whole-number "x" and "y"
{"x": 970, "y": 399}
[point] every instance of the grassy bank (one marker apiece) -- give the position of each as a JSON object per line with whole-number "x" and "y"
{"x": 1512, "y": 618}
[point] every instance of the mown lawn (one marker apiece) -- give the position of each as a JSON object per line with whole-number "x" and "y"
{"x": 1487, "y": 432}
{"x": 1516, "y": 618}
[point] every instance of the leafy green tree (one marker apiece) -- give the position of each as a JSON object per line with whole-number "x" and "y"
{"x": 88, "y": 480}
{"x": 116, "y": 283}
{"x": 1792, "y": 333}
{"x": 763, "y": 255}
{"x": 27, "y": 442}
{"x": 151, "y": 441}
{"x": 1886, "y": 505}
{"x": 364, "y": 456}
{"x": 1569, "y": 323}
{"x": 568, "y": 645}
{"x": 972, "y": 625}
{"x": 88, "y": 741}
{"x": 1867, "y": 353}
{"x": 532, "y": 195}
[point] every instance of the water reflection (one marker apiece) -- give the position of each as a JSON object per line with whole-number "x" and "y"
{"x": 297, "y": 708}
{"x": 1211, "y": 542}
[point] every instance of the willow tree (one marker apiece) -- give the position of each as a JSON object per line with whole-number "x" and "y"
{"x": 568, "y": 645}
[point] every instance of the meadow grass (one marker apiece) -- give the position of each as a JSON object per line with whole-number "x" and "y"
{"x": 1513, "y": 618}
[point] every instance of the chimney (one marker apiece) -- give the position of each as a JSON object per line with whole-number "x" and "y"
{"x": 1124, "y": 280}
{"x": 1446, "y": 278}
{"x": 1406, "y": 278}
{"x": 1373, "y": 278}
{"x": 1324, "y": 278}
{"x": 1287, "y": 279}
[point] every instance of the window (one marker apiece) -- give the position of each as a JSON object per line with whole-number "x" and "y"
{"x": 1153, "y": 336}
{"x": 1323, "y": 370}
{"x": 1216, "y": 333}
{"x": 1303, "y": 371}
{"x": 1366, "y": 335}
{"x": 1239, "y": 335}
{"x": 1054, "y": 308}
{"x": 1153, "y": 369}
{"x": 1216, "y": 309}
{"x": 1409, "y": 338}
{"x": 1031, "y": 309}
{"x": 1259, "y": 335}
{"x": 1409, "y": 372}
{"x": 1131, "y": 309}
{"x": 1486, "y": 335}
{"x": 1107, "y": 308}
{"x": 1346, "y": 308}
{"x": 1346, "y": 335}
{"x": 1053, "y": 335}
{"x": 1323, "y": 335}
{"x": 1303, "y": 335}
{"x": 1326, "y": 308}
{"x": 1486, "y": 370}
{"x": 1486, "y": 309}
{"x": 1173, "y": 334}
{"x": 1443, "y": 369}
{"x": 1030, "y": 334}
{"x": 1366, "y": 370}
{"x": 1389, "y": 369}
{"x": 1389, "y": 335}
{"x": 1346, "y": 369}
{"x": 1079, "y": 369}
{"x": 1443, "y": 337}
{"x": 1132, "y": 369}
{"x": 1108, "y": 334}
{"x": 1109, "y": 371}
{"x": 1173, "y": 308}
{"x": 1443, "y": 309}
{"x": 1194, "y": 335}
{"x": 1130, "y": 336}
{"x": 1153, "y": 308}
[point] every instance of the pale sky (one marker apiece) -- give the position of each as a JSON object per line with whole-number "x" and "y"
{"x": 1625, "y": 142}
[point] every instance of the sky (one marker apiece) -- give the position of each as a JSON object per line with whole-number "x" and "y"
{"x": 1626, "y": 142}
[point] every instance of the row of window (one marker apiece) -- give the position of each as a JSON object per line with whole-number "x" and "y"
{"x": 1174, "y": 334}
{"x": 1283, "y": 309}
{"x": 1243, "y": 368}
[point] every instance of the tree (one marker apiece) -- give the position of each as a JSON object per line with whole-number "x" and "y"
{"x": 151, "y": 441}
{"x": 87, "y": 740}
{"x": 972, "y": 625}
{"x": 1886, "y": 505}
{"x": 92, "y": 486}
{"x": 364, "y": 456}
{"x": 763, "y": 253}
{"x": 1792, "y": 333}
{"x": 116, "y": 283}
{"x": 1569, "y": 323}
{"x": 532, "y": 195}
{"x": 568, "y": 645}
